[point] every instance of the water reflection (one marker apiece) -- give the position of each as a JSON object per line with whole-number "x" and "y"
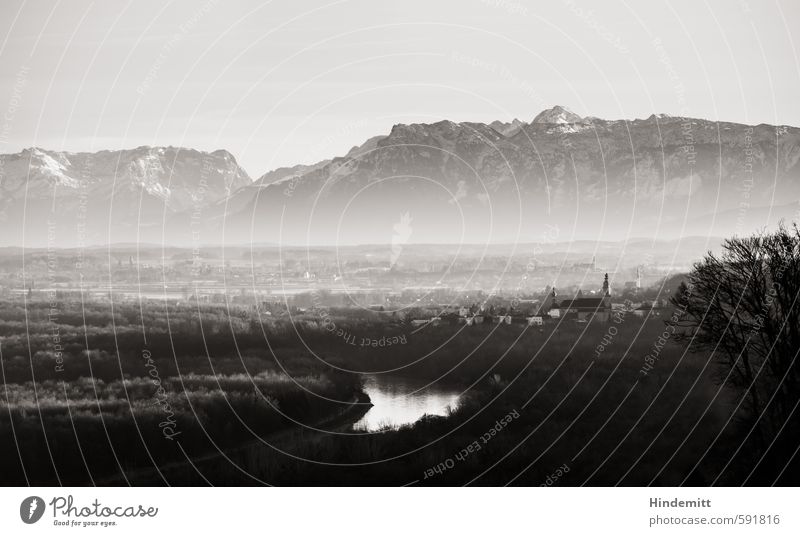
{"x": 398, "y": 401}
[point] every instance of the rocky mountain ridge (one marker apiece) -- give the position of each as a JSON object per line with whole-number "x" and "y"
{"x": 449, "y": 182}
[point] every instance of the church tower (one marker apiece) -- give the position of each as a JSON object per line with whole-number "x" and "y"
{"x": 549, "y": 302}
{"x": 606, "y": 288}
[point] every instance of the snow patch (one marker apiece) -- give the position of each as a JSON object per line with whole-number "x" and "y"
{"x": 54, "y": 169}
{"x": 146, "y": 171}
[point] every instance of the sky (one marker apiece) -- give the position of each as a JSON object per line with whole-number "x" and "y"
{"x": 281, "y": 83}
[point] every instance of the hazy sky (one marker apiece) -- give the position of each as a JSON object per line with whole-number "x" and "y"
{"x": 291, "y": 82}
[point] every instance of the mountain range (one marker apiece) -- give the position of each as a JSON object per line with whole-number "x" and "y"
{"x": 558, "y": 177}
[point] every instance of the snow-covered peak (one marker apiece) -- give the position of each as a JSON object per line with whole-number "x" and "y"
{"x": 557, "y": 115}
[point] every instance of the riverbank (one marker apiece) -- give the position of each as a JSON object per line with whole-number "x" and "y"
{"x": 191, "y": 471}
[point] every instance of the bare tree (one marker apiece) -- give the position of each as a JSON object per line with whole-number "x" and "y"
{"x": 744, "y": 306}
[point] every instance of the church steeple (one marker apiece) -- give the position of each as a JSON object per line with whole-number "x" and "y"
{"x": 606, "y": 288}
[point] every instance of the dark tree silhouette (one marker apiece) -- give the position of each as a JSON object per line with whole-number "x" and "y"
{"x": 744, "y": 307}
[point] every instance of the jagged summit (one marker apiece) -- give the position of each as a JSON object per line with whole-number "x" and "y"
{"x": 507, "y": 129}
{"x": 557, "y": 115}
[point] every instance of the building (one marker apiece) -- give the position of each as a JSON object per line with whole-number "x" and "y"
{"x": 426, "y": 321}
{"x": 648, "y": 309}
{"x": 585, "y": 309}
{"x": 548, "y": 303}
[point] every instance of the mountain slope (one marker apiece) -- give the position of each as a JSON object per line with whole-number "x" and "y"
{"x": 109, "y": 195}
{"x": 558, "y": 178}
{"x": 587, "y": 178}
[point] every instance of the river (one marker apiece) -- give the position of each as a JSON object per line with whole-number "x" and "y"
{"x": 398, "y": 401}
